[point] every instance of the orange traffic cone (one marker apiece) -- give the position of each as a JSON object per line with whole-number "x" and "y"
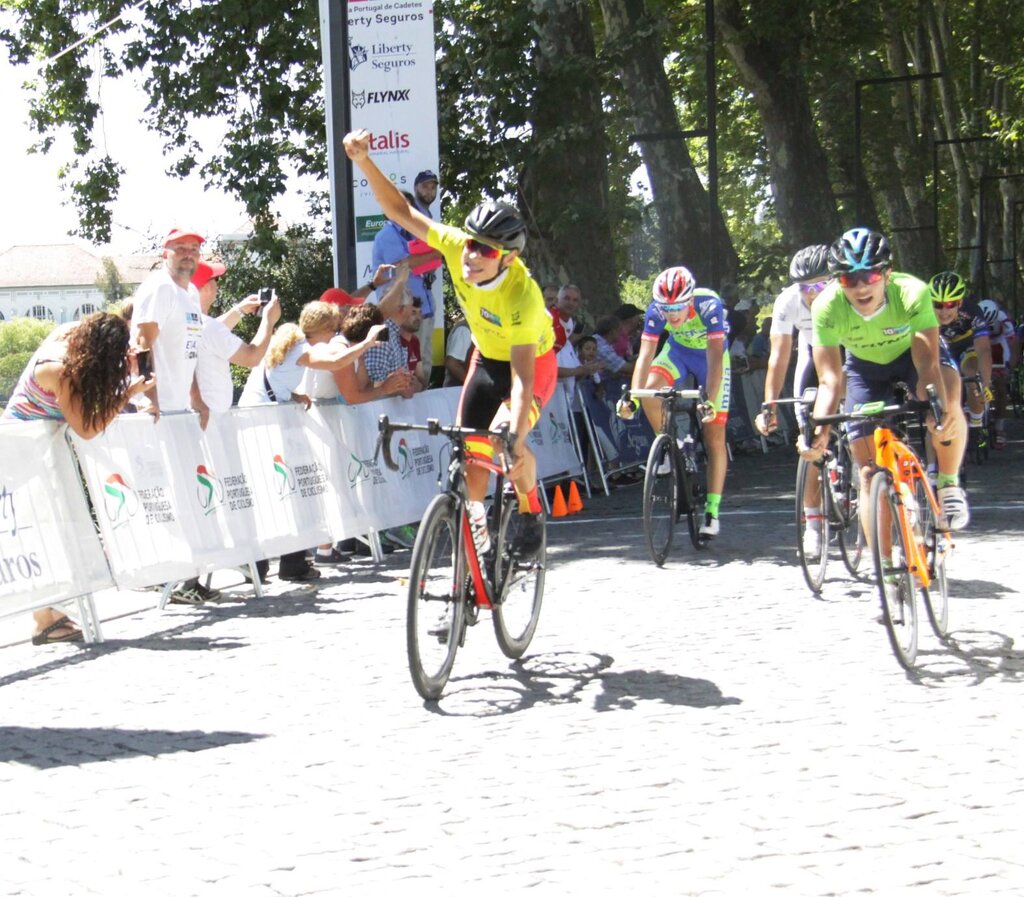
{"x": 558, "y": 508}
{"x": 575, "y": 504}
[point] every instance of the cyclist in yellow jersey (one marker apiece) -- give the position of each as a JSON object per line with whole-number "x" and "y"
{"x": 512, "y": 372}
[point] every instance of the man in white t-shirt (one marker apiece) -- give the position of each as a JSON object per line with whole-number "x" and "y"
{"x": 219, "y": 348}
{"x": 167, "y": 320}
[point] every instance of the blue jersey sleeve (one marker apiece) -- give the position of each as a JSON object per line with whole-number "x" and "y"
{"x": 654, "y": 323}
{"x": 712, "y": 313}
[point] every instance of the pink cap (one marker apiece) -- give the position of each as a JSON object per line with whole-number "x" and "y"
{"x": 180, "y": 233}
{"x": 334, "y": 296}
{"x": 205, "y": 272}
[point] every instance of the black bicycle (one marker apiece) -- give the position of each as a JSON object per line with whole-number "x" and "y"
{"x": 673, "y": 482}
{"x": 449, "y": 581}
{"x": 837, "y": 509}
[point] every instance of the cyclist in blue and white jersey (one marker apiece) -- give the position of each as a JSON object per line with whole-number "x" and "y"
{"x": 694, "y": 320}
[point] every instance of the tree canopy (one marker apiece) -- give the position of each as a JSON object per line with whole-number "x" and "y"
{"x": 546, "y": 101}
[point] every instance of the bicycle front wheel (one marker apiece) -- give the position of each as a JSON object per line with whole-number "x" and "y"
{"x": 436, "y": 607}
{"x": 895, "y": 581}
{"x": 845, "y": 507}
{"x": 519, "y": 583}
{"x": 660, "y": 498}
{"x": 811, "y": 545}
{"x": 936, "y": 598}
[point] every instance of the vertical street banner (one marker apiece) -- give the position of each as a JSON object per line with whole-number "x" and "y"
{"x": 394, "y": 96}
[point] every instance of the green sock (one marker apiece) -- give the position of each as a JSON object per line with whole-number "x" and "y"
{"x": 711, "y": 503}
{"x": 947, "y": 479}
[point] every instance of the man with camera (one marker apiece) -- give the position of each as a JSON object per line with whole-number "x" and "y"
{"x": 219, "y": 348}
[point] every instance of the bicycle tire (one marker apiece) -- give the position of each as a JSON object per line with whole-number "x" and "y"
{"x": 846, "y": 509}
{"x": 813, "y": 568}
{"x": 936, "y": 598}
{"x": 436, "y": 585}
{"x": 691, "y": 499}
{"x": 898, "y": 595}
{"x": 659, "y": 509}
{"x": 519, "y": 585}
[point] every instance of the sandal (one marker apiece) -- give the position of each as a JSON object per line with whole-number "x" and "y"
{"x": 46, "y": 637}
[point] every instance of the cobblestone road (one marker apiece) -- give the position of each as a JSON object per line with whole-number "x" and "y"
{"x": 706, "y": 728}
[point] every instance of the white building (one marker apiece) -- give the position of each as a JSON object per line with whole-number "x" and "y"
{"x": 57, "y": 282}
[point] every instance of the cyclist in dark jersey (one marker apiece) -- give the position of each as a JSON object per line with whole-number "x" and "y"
{"x": 965, "y": 332}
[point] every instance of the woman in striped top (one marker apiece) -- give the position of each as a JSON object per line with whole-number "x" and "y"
{"x": 83, "y": 374}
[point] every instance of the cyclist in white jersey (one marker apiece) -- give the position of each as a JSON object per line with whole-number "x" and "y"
{"x": 792, "y": 313}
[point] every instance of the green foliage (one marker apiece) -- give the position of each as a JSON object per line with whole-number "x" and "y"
{"x": 19, "y": 338}
{"x": 110, "y": 282}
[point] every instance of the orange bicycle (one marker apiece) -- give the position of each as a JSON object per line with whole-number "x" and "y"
{"x": 909, "y": 546}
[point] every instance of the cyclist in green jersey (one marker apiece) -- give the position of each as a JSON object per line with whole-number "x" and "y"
{"x": 886, "y": 323}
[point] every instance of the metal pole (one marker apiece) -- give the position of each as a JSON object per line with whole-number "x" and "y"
{"x": 709, "y": 36}
{"x": 858, "y": 174}
{"x": 334, "y": 44}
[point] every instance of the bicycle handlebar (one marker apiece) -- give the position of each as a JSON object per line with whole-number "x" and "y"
{"x": 880, "y": 409}
{"x": 665, "y": 392}
{"x": 434, "y": 427}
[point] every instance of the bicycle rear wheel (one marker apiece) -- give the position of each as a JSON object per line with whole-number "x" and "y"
{"x": 936, "y": 598}
{"x": 519, "y": 584}
{"x": 436, "y": 606}
{"x": 660, "y": 498}
{"x": 812, "y": 564}
{"x": 895, "y": 581}
{"x": 845, "y": 507}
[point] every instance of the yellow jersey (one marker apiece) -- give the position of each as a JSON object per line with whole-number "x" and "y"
{"x": 509, "y": 313}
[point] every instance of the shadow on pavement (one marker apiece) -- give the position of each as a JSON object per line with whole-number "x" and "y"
{"x": 970, "y": 653}
{"x": 560, "y": 678}
{"x": 49, "y": 748}
{"x": 978, "y": 588}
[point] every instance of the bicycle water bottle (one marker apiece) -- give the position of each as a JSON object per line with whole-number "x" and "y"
{"x": 689, "y": 453}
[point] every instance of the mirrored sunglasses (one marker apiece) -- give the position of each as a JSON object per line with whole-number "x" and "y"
{"x": 947, "y": 305}
{"x": 858, "y": 277}
{"x": 815, "y": 287}
{"x": 485, "y": 251}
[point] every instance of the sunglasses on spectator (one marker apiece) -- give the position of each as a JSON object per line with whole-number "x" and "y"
{"x": 857, "y": 277}
{"x": 947, "y": 305}
{"x": 815, "y": 287}
{"x": 485, "y": 251}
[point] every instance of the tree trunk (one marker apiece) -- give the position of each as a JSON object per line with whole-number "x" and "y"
{"x": 564, "y": 185}
{"x": 769, "y": 67}
{"x": 633, "y": 44}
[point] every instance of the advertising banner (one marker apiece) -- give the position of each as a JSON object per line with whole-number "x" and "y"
{"x": 393, "y": 96}
{"x": 49, "y": 549}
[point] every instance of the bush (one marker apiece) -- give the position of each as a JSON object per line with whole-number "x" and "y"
{"x": 19, "y": 338}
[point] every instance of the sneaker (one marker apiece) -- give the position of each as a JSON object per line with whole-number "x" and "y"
{"x": 709, "y": 529}
{"x": 812, "y": 542}
{"x": 192, "y": 592}
{"x": 300, "y": 574}
{"x": 954, "y": 506}
{"x": 663, "y": 469}
{"x": 530, "y": 538}
{"x": 331, "y": 558}
{"x": 440, "y": 628}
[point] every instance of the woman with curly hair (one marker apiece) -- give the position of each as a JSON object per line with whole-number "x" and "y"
{"x": 83, "y": 374}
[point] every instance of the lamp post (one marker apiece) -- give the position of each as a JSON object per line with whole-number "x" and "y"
{"x": 858, "y": 167}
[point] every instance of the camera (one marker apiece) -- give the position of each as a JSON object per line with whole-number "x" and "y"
{"x": 266, "y": 294}
{"x": 144, "y": 360}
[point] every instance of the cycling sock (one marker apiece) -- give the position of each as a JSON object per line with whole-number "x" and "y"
{"x": 813, "y": 517}
{"x": 529, "y": 502}
{"x": 711, "y": 503}
{"x": 947, "y": 479}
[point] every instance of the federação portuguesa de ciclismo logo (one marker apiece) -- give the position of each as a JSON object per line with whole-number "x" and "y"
{"x": 120, "y": 502}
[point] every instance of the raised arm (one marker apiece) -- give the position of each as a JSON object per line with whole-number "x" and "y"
{"x": 393, "y": 204}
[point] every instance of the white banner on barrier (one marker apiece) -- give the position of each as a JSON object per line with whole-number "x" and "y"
{"x": 173, "y": 502}
{"x": 551, "y": 440}
{"x": 49, "y": 549}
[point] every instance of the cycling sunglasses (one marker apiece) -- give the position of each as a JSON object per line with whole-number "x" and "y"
{"x": 947, "y": 305}
{"x": 485, "y": 251}
{"x": 856, "y": 277}
{"x": 815, "y": 287}
{"x": 677, "y": 307}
